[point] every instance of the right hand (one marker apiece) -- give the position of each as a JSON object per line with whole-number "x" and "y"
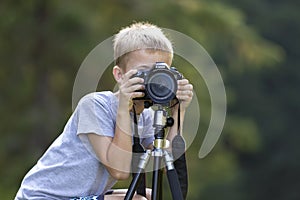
{"x": 128, "y": 89}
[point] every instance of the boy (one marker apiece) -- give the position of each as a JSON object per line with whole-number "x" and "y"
{"x": 95, "y": 148}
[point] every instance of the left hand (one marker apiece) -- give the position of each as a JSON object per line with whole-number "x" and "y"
{"x": 184, "y": 93}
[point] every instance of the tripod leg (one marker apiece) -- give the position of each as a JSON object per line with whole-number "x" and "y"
{"x": 173, "y": 178}
{"x": 138, "y": 149}
{"x": 157, "y": 179}
{"x": 141, "y": 189}
{"x": 137, "y": 177}
{"x": 134, "y": 184}
{"x": 174, "y": 185}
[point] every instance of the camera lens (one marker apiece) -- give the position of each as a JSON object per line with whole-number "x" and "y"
{"x": 161, "y": 86}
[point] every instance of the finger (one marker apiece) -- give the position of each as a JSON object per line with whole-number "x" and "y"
{"x": 183, "y": 82}
{"x": 137, "y": 94}
{"x": 184, "y": 98}
{"x": 127, "y": 91}
{"x": 134, "y": 88}
{"x": 129, "y": 74}
{"x": 187, "y": 93}
{"x": 135, "y": 80}
{"x": 185, "y": 87}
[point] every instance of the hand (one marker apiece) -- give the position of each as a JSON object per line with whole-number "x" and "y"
{"x": 184, "y": 93}
{"x": 128, "y": 87}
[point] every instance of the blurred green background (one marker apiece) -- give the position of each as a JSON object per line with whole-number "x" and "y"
{"x": 255, "y": 44}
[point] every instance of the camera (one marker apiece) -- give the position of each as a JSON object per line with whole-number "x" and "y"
{"x": 160, "y": 83}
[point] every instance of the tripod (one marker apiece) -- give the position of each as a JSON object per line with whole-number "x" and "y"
{"x": 159, "y": 154}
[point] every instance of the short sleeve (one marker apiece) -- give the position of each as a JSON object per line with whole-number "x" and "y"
{"x": 94, "y": 116}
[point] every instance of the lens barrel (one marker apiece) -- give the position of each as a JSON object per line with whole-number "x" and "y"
{"x": 161, "y": 86}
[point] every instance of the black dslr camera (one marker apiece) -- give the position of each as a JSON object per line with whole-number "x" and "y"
{"x": 160, "y": 83}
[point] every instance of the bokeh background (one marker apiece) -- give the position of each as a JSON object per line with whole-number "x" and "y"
{"x": 255, "y": 44}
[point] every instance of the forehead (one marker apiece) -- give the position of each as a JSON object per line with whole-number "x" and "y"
{"x": 145, "y": 59}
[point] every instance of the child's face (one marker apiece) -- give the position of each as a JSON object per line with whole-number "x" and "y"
{"x": 145, "y": 60}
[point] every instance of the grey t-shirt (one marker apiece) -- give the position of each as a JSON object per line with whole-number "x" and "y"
{"x": 70, "y": 167}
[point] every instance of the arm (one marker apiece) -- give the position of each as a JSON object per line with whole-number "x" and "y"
{"x": 116, "y": 152}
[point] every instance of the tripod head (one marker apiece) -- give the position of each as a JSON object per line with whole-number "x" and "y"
{"x": 160, "y": 122}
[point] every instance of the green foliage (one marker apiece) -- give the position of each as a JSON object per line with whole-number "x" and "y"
{"x": 42, "y": 44}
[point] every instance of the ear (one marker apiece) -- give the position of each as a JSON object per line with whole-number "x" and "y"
{"x": 117, "y": 72}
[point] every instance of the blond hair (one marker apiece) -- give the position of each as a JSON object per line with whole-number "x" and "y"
{"x": 138, "y": 36}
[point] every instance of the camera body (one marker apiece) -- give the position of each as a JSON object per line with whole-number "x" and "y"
{"x": 160, "y": 83}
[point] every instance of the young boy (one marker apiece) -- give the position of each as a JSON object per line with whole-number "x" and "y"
{"x": 95, "y": 148}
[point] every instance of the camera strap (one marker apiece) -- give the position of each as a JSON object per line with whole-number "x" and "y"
{"x": 178, "y": 151}
{"x": 136, "y": 138}
{"x": 137, "y": 150}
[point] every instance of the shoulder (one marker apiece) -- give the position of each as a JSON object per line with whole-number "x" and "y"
{"x": 98, "y": 98}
